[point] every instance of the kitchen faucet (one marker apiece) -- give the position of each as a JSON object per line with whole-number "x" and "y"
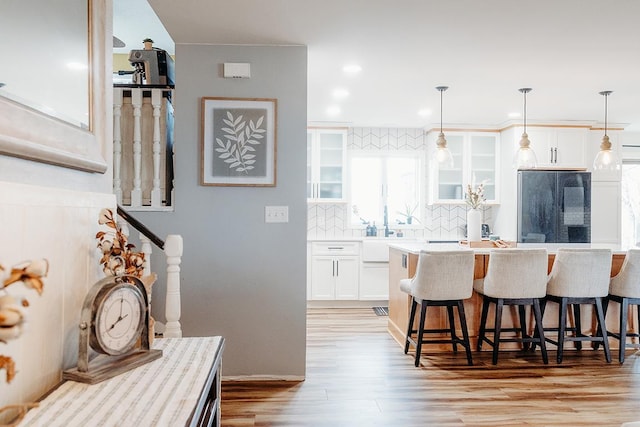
{"x": 387, "y": 232}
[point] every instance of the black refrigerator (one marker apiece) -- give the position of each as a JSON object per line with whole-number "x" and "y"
{"x": 554, "y": 206}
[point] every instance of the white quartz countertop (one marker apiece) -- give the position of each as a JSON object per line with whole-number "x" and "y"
{"x": 361, "y": 239}
{"x": 416, "y": 246}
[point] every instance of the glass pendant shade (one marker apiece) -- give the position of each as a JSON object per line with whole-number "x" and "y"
{"x": 443, "y": 154}
{"x": 606, "y": 159}
{"x": 525, "y": 157}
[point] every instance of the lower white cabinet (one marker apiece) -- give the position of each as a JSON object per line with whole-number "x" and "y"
{"x": 335, "y": 270}
{"x": 374, "y": 281}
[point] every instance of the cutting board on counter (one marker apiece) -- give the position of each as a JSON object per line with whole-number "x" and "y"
{"x": 488, "y": 244}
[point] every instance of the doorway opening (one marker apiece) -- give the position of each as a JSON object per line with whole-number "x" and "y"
{"x": 630, "y": 226}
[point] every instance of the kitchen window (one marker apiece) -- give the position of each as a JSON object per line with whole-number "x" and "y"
{"x": 385, "y": 181}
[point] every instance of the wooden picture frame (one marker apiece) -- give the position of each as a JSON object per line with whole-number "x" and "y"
{"x": 238, "y": 145}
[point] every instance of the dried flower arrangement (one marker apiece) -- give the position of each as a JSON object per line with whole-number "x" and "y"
{"x": 13, "y": 309}
{"x": 118, "y": 257}
{"x": 475, "y": 196}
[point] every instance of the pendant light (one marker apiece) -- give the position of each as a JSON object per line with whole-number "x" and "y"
{"x": 443, "y": 155}
{"x": 606, "y": 159}
{"x": 525, "y": 158}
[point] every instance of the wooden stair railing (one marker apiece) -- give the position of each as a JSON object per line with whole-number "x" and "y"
{"x": 143, "y": 147}
{"x": 172, "y": 248}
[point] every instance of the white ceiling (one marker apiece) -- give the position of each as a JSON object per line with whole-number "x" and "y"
{"x": 566, "y": 50}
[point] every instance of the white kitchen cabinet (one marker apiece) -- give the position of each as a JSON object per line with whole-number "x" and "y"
{"x": 326, "y": 160}
{"x": 335, "y": 270}
{"x": 475, "y": 159}
{"x": 559, "y": 147}
{"x": 374, "y": 275}
{"x": 606, "y": 212}
{"x": 374, "y": 282}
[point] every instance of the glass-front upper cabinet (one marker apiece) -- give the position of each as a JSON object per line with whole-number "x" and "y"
{"x": 326, "y": 154}
{"x": 475, "y": 161}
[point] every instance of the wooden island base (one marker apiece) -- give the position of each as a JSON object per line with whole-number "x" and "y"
{"x": 402, "y": 265}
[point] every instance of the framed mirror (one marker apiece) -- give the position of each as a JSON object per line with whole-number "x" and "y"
{"x": 54, "y": 98}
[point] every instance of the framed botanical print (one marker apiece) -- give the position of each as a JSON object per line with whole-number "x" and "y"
{"x": 238, "y": 141}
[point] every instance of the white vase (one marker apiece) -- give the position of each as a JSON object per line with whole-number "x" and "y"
{"x": 474, "y": 225}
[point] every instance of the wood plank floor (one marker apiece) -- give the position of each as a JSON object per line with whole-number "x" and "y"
{"x": 357, "y": 375}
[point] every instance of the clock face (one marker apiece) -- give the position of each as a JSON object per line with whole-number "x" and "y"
{"x": 119, "y": 319}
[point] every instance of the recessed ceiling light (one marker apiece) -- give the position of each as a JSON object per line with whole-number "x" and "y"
{"x": 76, "y": 66}
{"x": 424, "y": 112}
{"x": 514, "y": 115}
{"x": 334, "y": 110}
{"x": 340, "y": 93}
{"x": 352, "y": 69}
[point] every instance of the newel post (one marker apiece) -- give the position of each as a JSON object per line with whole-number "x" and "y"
{"x": 173, "y": 251}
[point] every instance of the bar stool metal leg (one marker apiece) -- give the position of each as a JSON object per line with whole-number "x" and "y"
{"x": 537, "y": 314}
{"x": 452, "y": 328}
{"x": 423, "y": 317}
{"x": 496, "y": 334}
{"x": 603, "y": 329}
{"x": 562, "y": 316}
{"x": 483, "y": 322}
{"x": 407, "y": 340}
{"x": 465, "y": 332}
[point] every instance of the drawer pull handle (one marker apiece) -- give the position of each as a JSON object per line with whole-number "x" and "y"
{"x": 332, "y": 248}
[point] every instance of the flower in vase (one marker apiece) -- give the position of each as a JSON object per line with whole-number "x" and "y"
{"x": 475, "y": 196}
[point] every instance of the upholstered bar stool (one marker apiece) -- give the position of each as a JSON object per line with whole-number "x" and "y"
{"x": 514, "y": 277}
{"x": 442, "y": 279}
{"x": 625, "y": 290}
{"x": 579, "y": 276}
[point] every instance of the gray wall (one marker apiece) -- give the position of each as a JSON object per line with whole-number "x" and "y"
{"x": 241, "y": 278}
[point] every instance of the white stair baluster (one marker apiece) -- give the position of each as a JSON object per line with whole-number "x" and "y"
{"x": 136, "y": 102}
{"x": 146, "y": 249}
{"x": 117, "y": 143}
{"x": 173, "y": 251}
{"x": 156, "y": 99}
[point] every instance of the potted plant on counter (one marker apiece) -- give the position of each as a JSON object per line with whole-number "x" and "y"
{"x": 408, "y": 213}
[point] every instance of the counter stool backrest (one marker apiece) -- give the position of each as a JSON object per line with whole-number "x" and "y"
{"x": 516, "y": 273}
{"x": 627, "y": 281}
{"x": 443, "y": 275}
{"x": 580, "y": 273}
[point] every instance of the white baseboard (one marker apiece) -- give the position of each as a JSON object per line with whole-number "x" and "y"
{"x": 346, "y": 304}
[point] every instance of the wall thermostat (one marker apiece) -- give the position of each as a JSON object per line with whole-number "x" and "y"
{"x": 237, "y": 70}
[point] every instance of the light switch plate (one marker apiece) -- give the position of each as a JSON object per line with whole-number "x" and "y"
{"x": 276, "y": 214}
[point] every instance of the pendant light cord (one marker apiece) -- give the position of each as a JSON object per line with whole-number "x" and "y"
{"x": 441, "y": 110}
{"x": 606, "y": 95}
{"x": 525, "y": 111}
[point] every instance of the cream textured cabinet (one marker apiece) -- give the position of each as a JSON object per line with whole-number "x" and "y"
{"x": 475, "y": 159}
{"x": 335, "y": 270}
{"x": 326, "y": 159}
